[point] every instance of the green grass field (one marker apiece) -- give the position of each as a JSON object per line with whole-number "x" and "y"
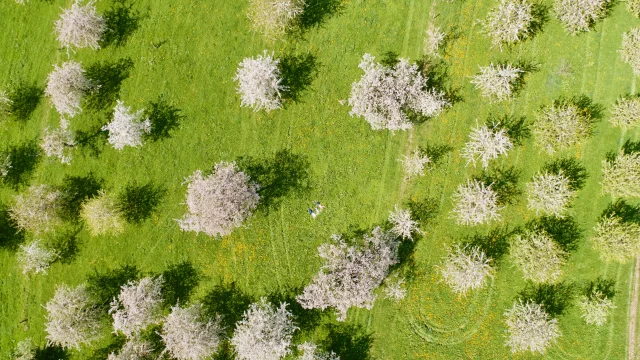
{"x": 188, "y": 51}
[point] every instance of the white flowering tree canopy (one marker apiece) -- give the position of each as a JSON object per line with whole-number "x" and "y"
{"x": 595, "y": 308}
{"x": 58, "y": 143}
{"x": 127, "y": 127}
{"x": 72, "y": 319}
{"x": 138, "y": 305}
{"x": 550, "y": 194}
{"x": 36, "y": 258}
{"x": 264, "y": 333}
{"x": 80, "y": 26}
{"x": 383, "y": 94}
{"x": 475, "y": 203}
{"x": 5, "y": 165}
{"x": 133, "y": 349}
{"x": 24, "y": 350}
{"x": 625, "y": 113}
{"x": 616, "y": 240}
{"x": 259, "y": 82}
{"x": 394, "y": 289}
{"x": 310, "y": 351}
{"x": 621, "y": 176}
{"x": 66, "y": 86}
{"x": 274, "y": 17}
{"x": 530, "y": 328}
{"x": 219, "y": 202}
{"x": 630, "y": 51}
{"x": 579, "y": 15}
{"x": 560, "y": 126}
{"x": 102, "y": 215}
{"x": 538, "y": 256}
{"x": 433, "y": 40}
{"x": 403, "y": 224}
{"x": 465, "y": 269}
{"x": 509, "y": 22}
{"x": 415, "y": 164}
{"x": 37, "y": 210}
{"x": 350, "y": 274}
{"x": 634, "y": 7}
{"x": 486, "y": 144}
{"x": 189, "y": 335}
{"x": 497, "y": 81}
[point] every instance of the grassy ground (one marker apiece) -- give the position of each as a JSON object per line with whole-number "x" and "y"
{"x": 187, "y": 51}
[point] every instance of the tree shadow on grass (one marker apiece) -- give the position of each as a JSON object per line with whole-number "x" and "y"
{"x": 179, "y": 281}
{"x": 564, "y": 231}
{"x": 630, "y": 147}
{"x": 278, "y": 176}
{"x": 137, "y": 203}
{"x": 164, "y": 119}
{"x": 439, "y": 77}
{"x": 10, "y": 235}
{"x": 624, "y": 211}
{"x": 105, "y": 286}
{"x": 51, "y": 353}
{"x": 24, "y": 98}
{"x": 297, "y": 72}
{"x": 349, "y": 342}
{"x": 107, "y": 77}
{"x": 504, "y": 181}
{"x": 121, "y": 22}
{"x": 67, "y": 245}
{"x": 24, "y": 159}
{"x": 424, "y": 211}
{"x": 540, "y": 15}
{"x": 554, "y": 298}
{"x": 317, "y": 12}
{"x": 571, "y": 168}
{"x": 606, "y": 287}
{"x": 306, "y": 319}
{"x": 495, "y": 244}
{"x": 229, "y": 301}
{"x": 593, "y": 111}
{"x": 75, "y": 190}
{"x": 115, "y": 344}
{"x": 527, "y": 67}
{"x": 93, "y": 140}
{"x": 516, "y": 127}
{"x": 436, "y": 153}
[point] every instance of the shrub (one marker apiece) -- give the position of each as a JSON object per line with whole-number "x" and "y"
{"x": 509, "y": 22}
{"x": 486, "y": 144}
{"x": 72, "y": 319}
{"x": 550, "y": 194}
{"x": 530, "y": 328}
{"x": 273, "y": 18}
{"x": 219, "y": 202}
{"x": 403, "y": 224}
{"x": 475, "y": 203}
{"x": 497, "y": 81}
{"x": 138, "y": 306}
{"x": 350, "y": 273}
{"x": 58, "y": 142}
{"x": 35, "y": 258}
{"x": 264, "y": 333}
{"x": 615, "y": 239}
{"x": 37, "y": 210}
{"x": 595, "y": 308}
{"x": 187, "y": 335}
{"x": 80, "y": 26}
{"x": 621, "y": 176}
{"x": 538, "y": 257}
{"x": 66, "y": 86}
{"x": 384, "y": 94}
{"x": 259, "y": 82}
{"x": 126, "y": 128}
{"x": 560, "y": 126}
{"x": 630, "y": 51}
{"x": 579, "y": 15}
{"x": 433, "y": 40}
{"x": 465, "y": 268}
{"x": 102, "y": 215}
{"x": 625, "y": 113}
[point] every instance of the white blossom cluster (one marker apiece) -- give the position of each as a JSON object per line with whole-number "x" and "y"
{"x": 259, "y": 83}
{"x": 475, "y": 203}
{"x": 630, "y": 51}
{"x": 72, "y": 319}
{"x": 625, "y": 113}
{"x": 465, "y": 269}
{"x": 497, "y": 81}
{"x": 509, "y": 22}
{"x": 578, "y": 15}
{"x": 187, "y": 335}
{"x": 59, "y": 142}
{"x": 36, "y": 258}
{"x": 415, "y": 164}
{"x": 127, "y": 127}
{"x": 395, "y": 290}
{"x": 133, "y": 349}
{"x": 621, "y": 177}
{"x": 433, "y": 40}
{"x": 558, "y": 127}
{"x": 138, "y": 305}
{"x": 403, "y": 224}
{"x": 616, "y": 240}
{"x": 66, "y": 86}
{"x": 274, "y": 17}
{"x": 530, "y": 328}
{"x": 486, "y": 144}
{"x": 80, "y": 26}
{"x": 549, "y": 194}
{"x": 595, "y": 308}
{"x": 37, "y": 210}
{"x": 310, "y": 352}
{"x": 383, "y": 94}
{"x": 538, "y": 257}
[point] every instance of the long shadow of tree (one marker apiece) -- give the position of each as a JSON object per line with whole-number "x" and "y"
{"x": 564, "y": 231}
{"x": 438, "y": 73}
{"x": 606, "y": 287}
{"x": 164, "y": 119}
{"x": 571, "y": 168}
{"x": 627, "y": 213}
{"x": 104, "y": 286}
{"x": 504, "y": 181}
{"x": 424, "y": 211}
{"x": 317, "y": 12}
{"x": 297, "y": 73}
{"x": 540, "y": 14}
{"x": 75, "y": 190}
{"x": 516, "y": 127}
{"x": 137, "y": 203}
{"x": 278, "y": 176}
{"x": 349, "y": 342}
{"x": 67, "y": 245}
{"x": 179, "y": 281}
{"x": 92, "y": 140}
{"x": 495, "y": 244}
{"x": 555, "y": 298}
{"x": 25, "y": 98}
{"x": 10, "y": 235}
{"x": 107, "y": 77}
{"x": 24, "y": 159}
{"x": 230, "y": 302}
{"x": 114, "y": 345}
{"x": 51, "y": 353}
{"x": 121, "y": 22}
